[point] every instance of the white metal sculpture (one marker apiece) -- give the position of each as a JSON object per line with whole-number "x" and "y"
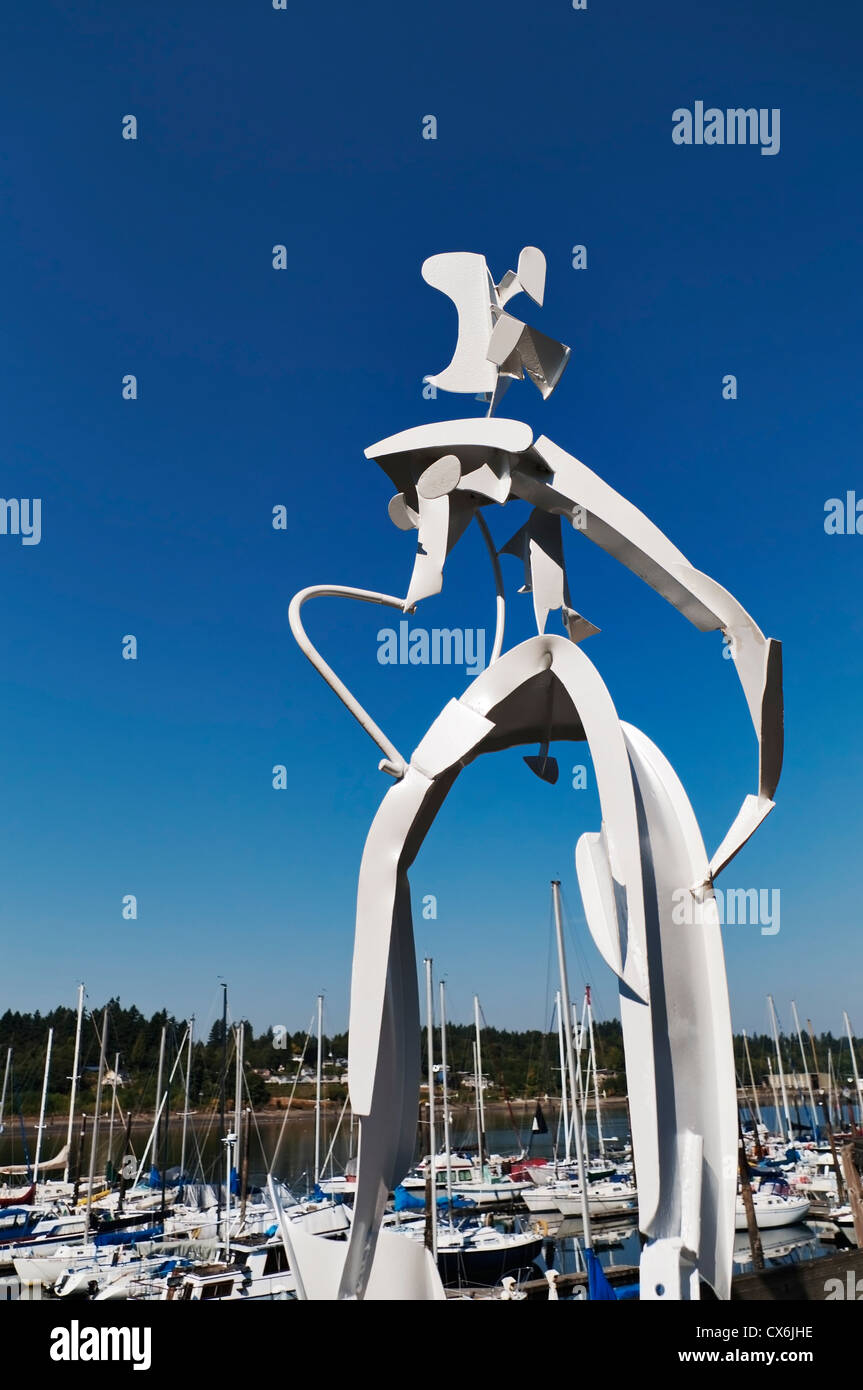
{"x": 673, "y": 991}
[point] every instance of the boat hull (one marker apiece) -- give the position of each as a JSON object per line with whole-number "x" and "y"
{"x": 610, "y": 1204}
{"x": 486, "y": 1266}
{"x": 767, "y": 1218}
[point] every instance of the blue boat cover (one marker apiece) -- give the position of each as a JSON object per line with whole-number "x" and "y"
{"x": 128, "y": 1237}
{"x": 598, "y": 1287}
{"x": 409, "y": 1201}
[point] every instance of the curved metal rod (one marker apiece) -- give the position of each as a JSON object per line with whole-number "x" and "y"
{"x": 393, "y": 763}
{"x": 498, "y": 584}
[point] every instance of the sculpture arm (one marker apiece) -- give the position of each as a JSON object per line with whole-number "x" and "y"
{"x": 500, "y": 597}
{"x": 560, "y": 483}
{"x": 393, "y": 763}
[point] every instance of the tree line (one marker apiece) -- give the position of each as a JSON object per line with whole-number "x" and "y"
{"x": 516, "y": 1064}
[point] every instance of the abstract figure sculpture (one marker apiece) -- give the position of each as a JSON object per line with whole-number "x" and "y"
{"x": 673, "y": 992}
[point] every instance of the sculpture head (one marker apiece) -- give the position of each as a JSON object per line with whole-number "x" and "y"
{"x": 445, "y": 471}
{"x": 493, "y": 348}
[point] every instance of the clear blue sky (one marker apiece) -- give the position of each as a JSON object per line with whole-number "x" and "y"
{"x": 257, "y": 387}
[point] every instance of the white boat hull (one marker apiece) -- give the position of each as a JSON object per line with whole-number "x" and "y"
{"x": 775, "y": 1212}
{"x": 598, "y": 1203}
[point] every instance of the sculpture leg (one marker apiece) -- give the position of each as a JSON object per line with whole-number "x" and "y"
{"x": 388, "y": 1130}
{"x": 674, "y": 1001}
{"x": 680, "y": 1065}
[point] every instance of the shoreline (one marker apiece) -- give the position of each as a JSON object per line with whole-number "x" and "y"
{"x": 300, "y": 1109}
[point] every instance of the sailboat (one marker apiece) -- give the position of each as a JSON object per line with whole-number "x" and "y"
{"x": 483, "y": 1178}
{"x": 470, "y": 1253}
{"x": 468, "y": 1250}
{"x": 775, "y": 1205}
{"x": 595, "y": 1188}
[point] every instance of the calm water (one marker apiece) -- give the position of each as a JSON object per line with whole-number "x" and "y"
{"x": 288, "y": 1150}
{"x": 292, "y": 1156}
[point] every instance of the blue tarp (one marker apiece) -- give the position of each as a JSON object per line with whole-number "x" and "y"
{"x": 410, "y": 1201}
{"x": 598, "y": 1287}
{"x": 128, "y": 1237}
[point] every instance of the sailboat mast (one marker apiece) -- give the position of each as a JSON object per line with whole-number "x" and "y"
{"x": 564, "y": 1103}
{"x": 789, "y": 1130}
{"x": 163, "y": 1160}
{"x": 74, "y": 1091}
{"x": 580, "y": 1034}
{"x": 41, "y": 1127}
{"x": 599, "y": 1137}
{"x": 480, "y": 1103}
{"x": 445, "y": 1094}
{"x": 751, "y": 1077}
{"x": 318, "y": 1081}
{"x": 186, "y": 1104}
{"x": 229, "y": 1139}
{"x": 432, "y": 1140}
{"x": 222, "y": 1103}
{"x": 570, "y": 1053}
{"x": 577, "y": 1082}
{"x": 774, "y": 1091}
{"x": 476, "y": 1079}
{"x": 159, "y": 1079}
{"x": 163, "y": 1107}
{"x": 806, "y": 1071}
{"x": 98, "y": 1105}
{"x": 815, "y": 1066}
{"x": 5, "y": 1084}
{"x": 857, "y": 1096}
{"x": 113, "y": 1107}
{"x": 240, "y": 1034}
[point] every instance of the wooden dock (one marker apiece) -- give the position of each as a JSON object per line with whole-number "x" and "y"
{"x": 807, "y": 1281}
{"x": 537, "y": 1289}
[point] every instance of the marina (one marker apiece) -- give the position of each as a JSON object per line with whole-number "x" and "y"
{"x": 430, "y": 691}
{"x": 532, "y": 1197}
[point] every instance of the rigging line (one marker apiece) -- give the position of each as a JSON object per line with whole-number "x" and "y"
{"x": 215, "y": 1163}
{"x": 207, "y": 1131}
{"x": 205, "y": 1134}
{"x": 255, "y": 1122}
{"x": 277, "y": 1150}
{"x": 583, "y": 964}
{"x": 549, "y": 1007}
{"x": 548, "y": 1068}
{"x": 550, "y": 994}
{"x": 499, "y": 1050}
{"x": 531, "y": 1049}
{"x": 257, "y": 1127}
{"x": 335, "y": 1135}
{"x": 214, "y": 1008}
